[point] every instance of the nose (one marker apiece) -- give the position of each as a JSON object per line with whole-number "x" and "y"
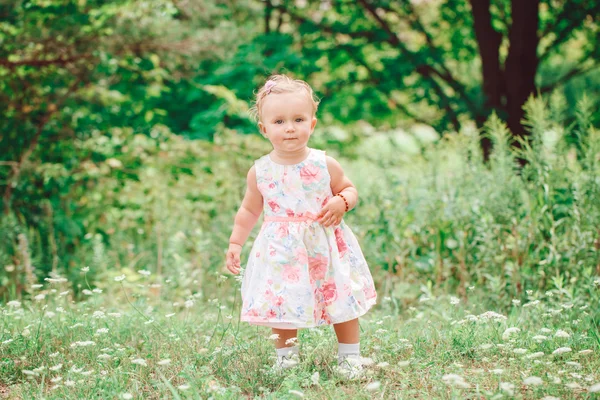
{"x": 289, "y": 128}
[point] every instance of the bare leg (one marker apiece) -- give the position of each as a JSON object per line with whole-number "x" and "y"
{"x": 284, "y": 334}
{"x": 347, "y": 332}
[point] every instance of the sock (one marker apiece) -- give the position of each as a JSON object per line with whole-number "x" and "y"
{"x": 286, "y": 352}
{"x": 345, "y": 350}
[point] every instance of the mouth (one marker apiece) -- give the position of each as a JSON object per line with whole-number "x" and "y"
{"x": 290, "y": 139}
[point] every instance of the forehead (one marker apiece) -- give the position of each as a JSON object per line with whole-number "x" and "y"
{"x": 296, "y": 102}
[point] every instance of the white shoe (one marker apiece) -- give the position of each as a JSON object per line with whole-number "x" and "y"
{"x": 350, "y": 368}
{"x": 286, "y": 362}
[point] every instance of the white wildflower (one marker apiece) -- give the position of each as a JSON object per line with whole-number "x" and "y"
{"x": 574, "y": 364}
{"x": 533, "y": 381}
{"x": 14, "y": 304}
{"x": 594, "y": 388}
{"x": 98, "y": 315}
{"x": 520, "y": 351}
{"x": 586, "y": 351}
{"x": 97, "y": 290}
{"x": 185, "y": 386}
{"x": 56, "y": 280}
{"x": 291, "y": 341}
{"x": 573, "y": 385}
{"x": 539, "y": 338}
{"x": 188, "y": 303}
{"x": 562, "y": 334}
{"x": 314, "y": 378}
{"x": 531, "y": 303}
{"x": 119, "y": 278}
{"x": 29, "y": 373}
{"x": 562, "y": 350}
{"x": 486, "y": 346}
{"x": 274, "y": 336}
{"x": 144, "y": 272}
{"x": 164, "y": 362}
{"x": 169, "y": 315}
{"x": 126, "y": 396}
{"x": 508, "y": 332}
{"x": 36, "y": 286}
{"x": 104, "y": 356}
{"x": 373, "y": 386}
{"x": 516, "y": 302}
{"x": 114, "y": 314}
{"x": 101, "y": 331}
{"x": 383, "y": 364}
{"x": 69, "y": 383}
{"x": 85, "y": 343}
{"x": 296, "y": 393}
{"x": 85, "y": 269}
{"x": 40, "y": 297}
{"x": 140, "y": 361}
{"x": 403, "y": 363}
{"x": 56, "y": 379}
{"x": 455, "y": 380}
{"x": 87, "y": 292}
{"x": 56, "y": 367}
{"x": 508, "y": 388}
{"x": 454, "y": 300}
{"x": 535, "y": 355}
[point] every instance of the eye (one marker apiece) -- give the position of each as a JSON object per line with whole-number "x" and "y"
{"x": 279, "y": 121}
{"x": 299, "y": 119}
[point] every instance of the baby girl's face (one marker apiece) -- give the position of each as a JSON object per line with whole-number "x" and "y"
{"x": 287, "y": 120}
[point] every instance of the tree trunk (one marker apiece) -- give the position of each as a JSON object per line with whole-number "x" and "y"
{"x": 522, "y": 62}
{"x": 488, "y": 40}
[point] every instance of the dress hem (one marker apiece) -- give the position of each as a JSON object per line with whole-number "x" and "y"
{"x": 292, "y": 325}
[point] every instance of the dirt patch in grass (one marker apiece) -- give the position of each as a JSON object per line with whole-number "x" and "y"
{"x": 4, "y": 391}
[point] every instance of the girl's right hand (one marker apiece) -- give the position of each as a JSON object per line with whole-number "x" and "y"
{"x": 233, "y": 258}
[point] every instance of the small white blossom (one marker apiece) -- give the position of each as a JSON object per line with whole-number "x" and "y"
{"x": 14, "y": 304}
{"x": 127, "y": 396}
{"x": 533, "y": 381}
{"x": 164, "y": 362}
{"x": 185, "y": 386}
{"x": 144, "y": 272}
{"x": 535, "y": 355}
{"x": 119, "y": 278}
{"x": 594, "y": 388}
{"x": 508, "y": 332}
{"x": 562, "y": 350}
{"x": 40, "y": 297}
{"x": 455, "y": 380}
{"x": 274, "y": 336}
{"x": 520, "y": 351}
{"x": 139, "y": 361}
{"x": 56, "y": 367}
{"x": 314, "y": 378}
{"x": 373, "y": 386}
{"x": 85, "y": 269}
{"x": 539, "y": 338}
{"x": 454, "y": 300}
{"x": 562, "y": 334}
{"x": 586, "y": 351}
{"x": 508, "y": 388}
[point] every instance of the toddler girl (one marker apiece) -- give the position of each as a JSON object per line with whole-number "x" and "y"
{"x": 306, "y": 268}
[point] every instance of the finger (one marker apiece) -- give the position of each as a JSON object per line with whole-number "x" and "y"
{"x": 326, "y": 214}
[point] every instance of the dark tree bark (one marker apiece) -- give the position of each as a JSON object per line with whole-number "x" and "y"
{"x": 522, "y": 61}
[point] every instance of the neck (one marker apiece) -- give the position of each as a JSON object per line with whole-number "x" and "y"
{"x": 291, "y": 157}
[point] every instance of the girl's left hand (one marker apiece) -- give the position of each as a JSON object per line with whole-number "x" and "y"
{"x": 333, "y": 212}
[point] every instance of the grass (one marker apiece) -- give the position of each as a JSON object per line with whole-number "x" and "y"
{"x": 130, "y": 342}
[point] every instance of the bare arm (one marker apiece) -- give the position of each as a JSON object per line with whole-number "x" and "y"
{"x": 245, "y": 219}
{"x": 249, "y": 211}
{"x": 340, "y": 183}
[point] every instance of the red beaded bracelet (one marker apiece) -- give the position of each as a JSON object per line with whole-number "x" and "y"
{"x": 343, "y": 198}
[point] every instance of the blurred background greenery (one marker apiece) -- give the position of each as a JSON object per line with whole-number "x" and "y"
{"x": 125, "y": 135}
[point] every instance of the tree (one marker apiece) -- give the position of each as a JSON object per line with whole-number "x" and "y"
{"x": 433, "y": 50}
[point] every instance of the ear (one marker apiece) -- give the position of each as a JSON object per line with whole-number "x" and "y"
{"x": 262, "y": 128}
{"x": 313, "y": 124}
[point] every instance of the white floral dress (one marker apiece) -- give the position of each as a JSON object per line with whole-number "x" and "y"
{"x": 299, "y": 273}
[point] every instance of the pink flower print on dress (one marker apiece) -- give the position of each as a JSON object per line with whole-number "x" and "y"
{"x": 271, "y": 314}
{"x": 252, "y": 312}
{"x": 329, "y": 291}
{"x": 301, "y": 256}
{"x": 274, "y": 206}
{"x": 289, "y": 212}
{"x": 283, "y": 231}
{"x": 291, "y": 273}
{"x": 341, "y": 243}
{"x": 310, "y": 173}
{"x": 317, "y": 267}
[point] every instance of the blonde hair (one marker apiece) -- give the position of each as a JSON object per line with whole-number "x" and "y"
{"x": 277, "y": 84}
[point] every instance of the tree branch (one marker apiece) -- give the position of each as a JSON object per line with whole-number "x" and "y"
{"x": 574, "y": 17}
{"x": 566, "y": 77}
